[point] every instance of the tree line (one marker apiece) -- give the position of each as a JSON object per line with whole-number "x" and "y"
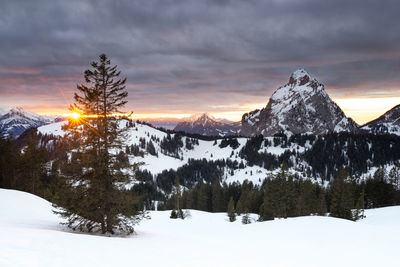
{"x": 282, "y": 196}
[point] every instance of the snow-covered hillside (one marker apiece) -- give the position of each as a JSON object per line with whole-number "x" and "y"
{"x": 30, "y": 235}
{"x": 209, "y": 150}
{"x": 296, "y": 153}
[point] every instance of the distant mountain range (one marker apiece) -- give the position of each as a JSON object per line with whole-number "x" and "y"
{"x": 15, "y": 121}
{"x": 205, "y": 124}
{"x": 166, "y": 123}
{"x": 298, "y": 107}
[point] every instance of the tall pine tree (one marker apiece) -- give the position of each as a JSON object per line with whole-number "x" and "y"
{"x": 94, "y": 198}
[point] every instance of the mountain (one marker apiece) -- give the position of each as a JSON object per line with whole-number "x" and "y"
{"x": 388, "y": 123}
{"x": 205, "y": 124}
{"x": 16, "y": 121}
{"x": 300, "y": 106}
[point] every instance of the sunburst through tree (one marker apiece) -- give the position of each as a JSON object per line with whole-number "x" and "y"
{"x": 95, "y": 198}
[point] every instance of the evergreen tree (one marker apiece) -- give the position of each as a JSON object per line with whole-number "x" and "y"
{"x": 231, "y": 210}
{"x": 204, "y": 197}
{"x": 380, "y": 175}
{"x": 94, "y": 198}
{"x": 150, "y": 148}
{"x": 174, "y": 215}
{"x": 246, "y": 217}
{"x": 321, "y": 209}
{"x": 359, "y": 213}
{"x": 218, "y": 204}
{"x": 177, "y": 211}
{"x": 266, "y": 210}
{"x": 342, "y": 200}
{"x": 394, "y": 177}
{"x": 239, "y": 205}
{"x": 31, "y": 167}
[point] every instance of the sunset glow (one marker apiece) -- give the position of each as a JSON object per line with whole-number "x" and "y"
{"x": 360, "y": 110}
{"x": 75, "y": 116}
{"x": 363, "y": 110}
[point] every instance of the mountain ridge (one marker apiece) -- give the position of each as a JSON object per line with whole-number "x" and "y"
{"x": 205, "y": 124}
{"x": 387, "y": 123}
{"x": 17, "y": 120}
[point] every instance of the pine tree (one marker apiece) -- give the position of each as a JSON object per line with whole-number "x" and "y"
{"x": 177, "y": 211}
{"x": 31, "y": 167}
{"x": 231, "y": 210}
{"x": 380, "y": 175}
{"x": 266, "y": 210}
{"x": 359, "y": 213}
{"x": 239, "y": 205}
{"x": 218, "y": 203}
{"x": 321, "y": 209}
{"x": 342, "y": 200}
{"x": 394, "y": 177}
{"x": 94, "y": 198}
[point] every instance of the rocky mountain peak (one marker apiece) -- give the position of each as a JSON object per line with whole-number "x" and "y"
{"x": 202, "y": 118}
{"x": 300, "y": 106}
{"x": 300, "y": 77}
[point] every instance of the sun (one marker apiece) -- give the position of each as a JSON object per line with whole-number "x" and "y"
{"x": 76, "y": 116}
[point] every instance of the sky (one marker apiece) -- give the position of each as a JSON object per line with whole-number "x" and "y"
{"x": 192, "y": 56}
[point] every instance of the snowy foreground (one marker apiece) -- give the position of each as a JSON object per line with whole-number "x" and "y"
{"x": 30, "y": 235}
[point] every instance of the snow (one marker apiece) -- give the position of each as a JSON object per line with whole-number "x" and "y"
{"x": 17, "y": 120}
{"x": 205, "y": 149}
{"x": 2, "y": 111}
{"x": 53, "y": 128}
{"x": 31, "y": 236}
{"x": 300, "y": 73}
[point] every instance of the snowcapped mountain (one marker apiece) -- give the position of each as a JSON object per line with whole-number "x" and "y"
{"x": 388, "y": 123}
{"x": 300, "y": 106}
{"x": 16, "y": 121}
{"x": 205, "y": 124}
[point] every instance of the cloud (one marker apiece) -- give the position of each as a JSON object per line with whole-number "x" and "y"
{"x": 194, "y": 55}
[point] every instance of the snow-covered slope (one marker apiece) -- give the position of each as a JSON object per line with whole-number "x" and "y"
{"x": 294, "y": 153}
{"x": 205, "y": 124}
{"x": 16, "y": 121}
{"x": 300, "y": 106}
{"x": 30, "y": 235}
{"x": 388, "y": 123}
{"x": 210, "y": 150}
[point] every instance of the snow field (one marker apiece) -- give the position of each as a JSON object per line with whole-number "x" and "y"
{"x": 30, "y": 235}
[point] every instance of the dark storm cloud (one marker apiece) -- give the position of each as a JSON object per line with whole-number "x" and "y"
{"x": 178, "y": 53}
